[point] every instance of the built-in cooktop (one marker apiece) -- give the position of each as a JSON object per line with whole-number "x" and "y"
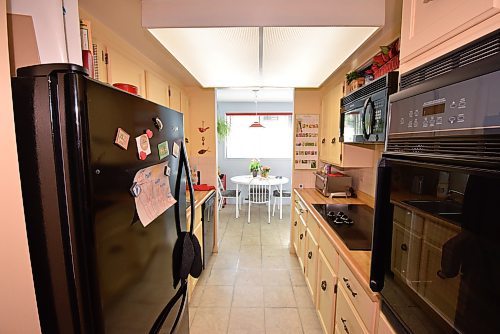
{"x": 352, "y": 222}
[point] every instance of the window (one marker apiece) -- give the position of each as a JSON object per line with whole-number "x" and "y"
{"x": 274, "y": 140}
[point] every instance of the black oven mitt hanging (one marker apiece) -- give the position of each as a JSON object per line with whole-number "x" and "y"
{"x": 186, "y": 255}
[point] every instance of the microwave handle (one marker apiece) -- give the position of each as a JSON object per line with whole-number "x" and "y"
{"x": 382, "y": 227}
{"x": 363, "y": 118}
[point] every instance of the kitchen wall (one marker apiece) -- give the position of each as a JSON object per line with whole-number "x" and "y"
{"x": 202, "y": 108}
{"x": 18, "y": 309}
{"x": 364, "y": 179}
{"x": 307, "y": 102}
{"x": 233, "y": 167}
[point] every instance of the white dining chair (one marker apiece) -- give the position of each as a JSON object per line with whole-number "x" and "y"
{"x": 259, "y": 192}
{"x": 276, "y": 195}
{"x": 225, "y": 194}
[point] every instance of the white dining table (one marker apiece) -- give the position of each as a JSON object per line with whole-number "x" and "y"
{"x": 270, "y": 180}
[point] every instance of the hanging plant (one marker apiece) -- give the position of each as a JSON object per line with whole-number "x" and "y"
{"x": 223, "y": 128}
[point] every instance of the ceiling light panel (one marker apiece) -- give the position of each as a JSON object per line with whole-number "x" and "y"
{"x": 307, "y": 56}
{"x": 216, "y": 57}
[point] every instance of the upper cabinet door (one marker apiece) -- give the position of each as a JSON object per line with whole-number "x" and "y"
{"x": 175, "y": 98}
{"x": 123, "y": 70}
{"x": 156, "y": 89}
{"x": 427, "y": 23}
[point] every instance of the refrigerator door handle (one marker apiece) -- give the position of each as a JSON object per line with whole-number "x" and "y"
{"x": 382, "y": 226}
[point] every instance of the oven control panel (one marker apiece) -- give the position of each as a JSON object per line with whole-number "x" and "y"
{"x": 468, "y": 105}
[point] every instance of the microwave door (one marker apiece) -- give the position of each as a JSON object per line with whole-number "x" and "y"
{"x": 353, "y": 126}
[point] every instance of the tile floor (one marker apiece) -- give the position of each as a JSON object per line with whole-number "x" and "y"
{"x": 253, "y": 285}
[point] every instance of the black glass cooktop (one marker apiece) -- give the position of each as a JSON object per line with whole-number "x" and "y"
{"x": 352, "y": 222}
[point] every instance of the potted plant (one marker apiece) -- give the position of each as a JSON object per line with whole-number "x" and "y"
{"x": 223, "y": 128}
{"x": 254, "y": 167}
{"x": 264, "y": 171}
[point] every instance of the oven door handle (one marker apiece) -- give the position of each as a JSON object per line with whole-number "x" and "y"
{"x": 366, "y": 135}
{"x": 382, "y": 226}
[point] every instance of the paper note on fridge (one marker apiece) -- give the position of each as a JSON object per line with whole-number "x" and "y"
{"x": 155, "y": 196}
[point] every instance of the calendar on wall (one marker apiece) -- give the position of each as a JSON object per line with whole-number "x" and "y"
{"x": 306, "y": 141}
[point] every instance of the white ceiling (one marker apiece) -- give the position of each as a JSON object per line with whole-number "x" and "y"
{"x": 275, "y": 57}
{"x": 266, "y": 94}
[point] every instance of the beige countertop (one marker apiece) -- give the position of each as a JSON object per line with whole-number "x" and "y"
{"x": 357, "y": 261}
{"x": 199, "y": 198}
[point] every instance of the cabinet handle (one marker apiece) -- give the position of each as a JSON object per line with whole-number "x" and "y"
{"x": 404, "y": 247}
{"x": 310, "y": 255}
{"x": 348, "y": 286}
{"x": 296, "y": 202}
{"x": 301, "y": 211}
{"x": 427, "y": 1}
{"x": 301, "y": 236}
{"x": 333, "y": 140}
{"x": 295, "y": 223}
{"x": 305, "y": 233}
{"x": 323, "y": 141}
{"x": 344, "y": 321}
{"x": 323, "y": 285}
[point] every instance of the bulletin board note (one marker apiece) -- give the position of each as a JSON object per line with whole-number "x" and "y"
{"x": 155, "y": 196}
{"x": 306, "y": 141}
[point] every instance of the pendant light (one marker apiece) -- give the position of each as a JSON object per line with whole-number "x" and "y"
{"x": 256, "y": 124}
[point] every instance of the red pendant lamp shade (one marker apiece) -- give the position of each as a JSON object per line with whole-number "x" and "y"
{"x": 256, "y": 124}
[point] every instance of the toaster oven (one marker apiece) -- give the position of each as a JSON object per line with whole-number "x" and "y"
{"x": 328, "y": 184}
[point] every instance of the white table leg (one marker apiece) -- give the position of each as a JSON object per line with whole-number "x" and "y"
{"x": 281, "y": 201}
{"x": 237, "y": 202}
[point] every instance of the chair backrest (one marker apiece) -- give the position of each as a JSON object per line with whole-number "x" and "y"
{"x": 220, "y": 186}
{"x": 258, "y": 192}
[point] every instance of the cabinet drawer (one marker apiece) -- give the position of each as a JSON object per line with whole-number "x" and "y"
{"x": 383, "y": 326}
{"x": 331, "y": 254}
{"x": 346, "y": 318}
{"x": 363, "y": 304}
{"x": 326, "y": 294}
{"x": 313, "y": 226}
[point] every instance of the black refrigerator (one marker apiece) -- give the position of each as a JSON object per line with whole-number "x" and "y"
{"x": 84, "y": 148}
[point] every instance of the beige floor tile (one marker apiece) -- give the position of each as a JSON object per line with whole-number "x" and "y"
{"x": 226, "y": 261}
{"x": 222, "y": 277}
{"x": 249, "y": 262}
{"x": 252, "y": 277}
{"x": 210, "y": 321}
{"x": 252, "y": 250}
{"x": 297, "y": 277}
{"x": 274, "y": 250}
{"x": 274, "y": 262}
{"x": 251, "y": 240}
{"x": 310, "y": 321}
{"x": 192, "y": 313}
{"x": 275, "y": 277}
{"x": 216, "y": 296}
{"x": 275, "y": 296}
{"x": 195, "y": 299}
{"x": 248, "y": 296}
{"x": 303, "y": 297}
{"x": 246, "y": 321}
{"x": 292, "y": 262}
{"x": 282, "y": 321}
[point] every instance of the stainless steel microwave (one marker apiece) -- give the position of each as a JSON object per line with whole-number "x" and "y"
{"x": 363, "y": 117}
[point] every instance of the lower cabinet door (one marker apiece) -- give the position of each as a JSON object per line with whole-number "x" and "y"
{"x": 327, "y": 295}
{"x": 346, "y": 318}
{"x": 295, "y": 231}
{"x": 302, "y": 243}
{"x": 311, "y": 258}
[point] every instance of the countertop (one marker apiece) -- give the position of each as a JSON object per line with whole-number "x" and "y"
{"x": 357, "y": 261}
{"x": 200, "y": 196}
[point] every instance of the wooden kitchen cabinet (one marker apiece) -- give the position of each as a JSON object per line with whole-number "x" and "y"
{"x": 331, "y": 150}
{"x": 431, "y": 28}
{"x": 174, "y": 97}
{"x": 327, "y": 293}
{"x": 311, "y": 263}
{"x": 156, "y": 89}
{"x": 302, "y": 243}
{"x": 123, "y": 70}
{"x": 383, "y": 326}
{"x": 346, "y": 318}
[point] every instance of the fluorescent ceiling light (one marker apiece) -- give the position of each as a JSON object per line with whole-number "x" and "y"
{"x": 289, "y": 56}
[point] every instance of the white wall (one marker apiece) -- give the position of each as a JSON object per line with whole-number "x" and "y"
{"x": 18, "y": 309}
{"x": 233, "y": 167}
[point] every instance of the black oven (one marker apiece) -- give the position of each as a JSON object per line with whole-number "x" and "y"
{"x": 436, "y": 240}
{"x": 363, "y": 117}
